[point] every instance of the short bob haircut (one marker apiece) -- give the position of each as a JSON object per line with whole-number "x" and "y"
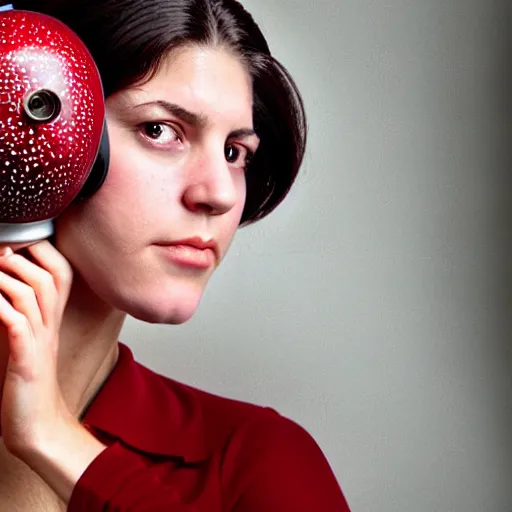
{"x": 129, "y": 38}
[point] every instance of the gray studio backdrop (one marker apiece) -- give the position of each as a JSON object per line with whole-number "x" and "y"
{"x": 373, "y": 307}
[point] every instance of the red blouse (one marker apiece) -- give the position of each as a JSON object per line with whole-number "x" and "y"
{"x": 175, "y": 448}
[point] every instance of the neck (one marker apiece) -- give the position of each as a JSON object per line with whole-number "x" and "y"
{"x": 88, "y": 345}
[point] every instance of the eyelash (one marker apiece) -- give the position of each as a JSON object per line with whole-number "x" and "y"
{"x": 142, "y": 127}
{"x": 249, "y": 154}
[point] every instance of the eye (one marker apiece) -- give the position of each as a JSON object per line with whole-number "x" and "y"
{"x": 240, "y": 156}
{"x": 160, "y": 133}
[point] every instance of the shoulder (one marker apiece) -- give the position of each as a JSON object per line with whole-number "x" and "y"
{"x": 263, "y": 458}
{"x": 225, "y": 420}
{"x": 268, "y": 460}
{"x": 222, "y": 417}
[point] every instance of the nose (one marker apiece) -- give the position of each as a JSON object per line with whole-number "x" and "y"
{"x": 212, "y": 187}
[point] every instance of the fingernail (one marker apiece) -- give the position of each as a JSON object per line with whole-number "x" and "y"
{"x": 5, "y": 252}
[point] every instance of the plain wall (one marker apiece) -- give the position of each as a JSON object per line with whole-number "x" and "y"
{"x": 374, "y": 306}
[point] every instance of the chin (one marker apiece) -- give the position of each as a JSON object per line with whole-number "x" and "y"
{"x": 173, "y": 316}
{"x": 174, "y": 308}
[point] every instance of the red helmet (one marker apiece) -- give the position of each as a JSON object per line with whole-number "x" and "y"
{"x": 53, "y": 137}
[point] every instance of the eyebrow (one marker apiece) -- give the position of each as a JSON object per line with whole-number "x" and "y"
{"x": 196, "y": 120}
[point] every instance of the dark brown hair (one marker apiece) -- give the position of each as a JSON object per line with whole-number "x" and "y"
{"x": 129, "y": 38}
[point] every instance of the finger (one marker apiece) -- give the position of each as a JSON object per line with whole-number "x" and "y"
{"x": 39, "y": 280}
{"x": 21, "y": 340}
{"x": 22, "y": 297}
{"x": 16, "y": 246}
{"x": 49, "y": 258}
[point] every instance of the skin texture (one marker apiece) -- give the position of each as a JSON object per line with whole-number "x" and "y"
{"x": 171, "y": 177}
{"x": 164, "y": 190}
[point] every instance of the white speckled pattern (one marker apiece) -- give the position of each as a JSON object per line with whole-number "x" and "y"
{"x": 44, "y": 165}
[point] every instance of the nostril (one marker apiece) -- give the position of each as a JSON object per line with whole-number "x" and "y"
{"x": 203, "y": 207}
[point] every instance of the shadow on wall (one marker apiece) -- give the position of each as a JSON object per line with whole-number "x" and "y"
{"x": 500, "y": 234}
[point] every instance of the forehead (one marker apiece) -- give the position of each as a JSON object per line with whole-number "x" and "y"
{"x": 209, "y": 80}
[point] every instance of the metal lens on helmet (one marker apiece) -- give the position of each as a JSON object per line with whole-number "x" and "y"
{"x": 42, "y": 106}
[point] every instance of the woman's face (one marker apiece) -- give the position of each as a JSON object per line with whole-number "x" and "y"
{"x": 179, "y": 145}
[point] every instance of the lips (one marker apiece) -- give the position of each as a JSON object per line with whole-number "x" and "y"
{"x": 191, "y": 252}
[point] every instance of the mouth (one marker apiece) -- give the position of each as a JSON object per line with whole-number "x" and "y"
{"x": 191, "y": 252}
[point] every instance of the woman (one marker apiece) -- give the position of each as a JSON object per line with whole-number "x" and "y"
{"x": 207, "y": 132}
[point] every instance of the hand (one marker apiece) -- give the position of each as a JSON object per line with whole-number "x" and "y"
{"x": 32, "y": 301}
{"x": 37, "y": 425}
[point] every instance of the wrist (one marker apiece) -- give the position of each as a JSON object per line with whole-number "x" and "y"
{"x": 61, "y": 458}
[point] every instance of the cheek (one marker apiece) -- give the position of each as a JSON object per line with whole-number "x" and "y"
{"x": 133, "y": 197}
{"x": 146, "y": 186}
{"x": 242, "y": 194}
{"x": 231, "y": 220}
{"x": 128, "y": 175}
